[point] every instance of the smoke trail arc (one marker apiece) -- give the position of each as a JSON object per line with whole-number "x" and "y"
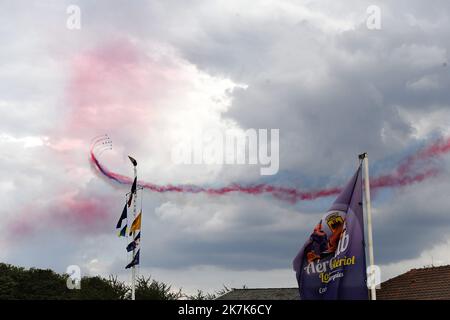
{"x": 404, "y": 174}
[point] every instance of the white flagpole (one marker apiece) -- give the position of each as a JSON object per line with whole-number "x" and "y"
{"x": 133, "y": 268}
{"x": 373, "y": 293}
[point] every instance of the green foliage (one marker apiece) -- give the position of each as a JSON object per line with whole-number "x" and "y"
{"x": 35, "y": 284}
{"x": 120, "y": 289}
{"x": 97, "y": 288}
{"x": 18, "y": 283}
{"x": 148, "y": 289}
{"x": 222, "y": 291}
{"x": 200, "y": 295}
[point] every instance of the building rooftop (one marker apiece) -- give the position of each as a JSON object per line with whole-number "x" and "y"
{"x": 429, "y": 283}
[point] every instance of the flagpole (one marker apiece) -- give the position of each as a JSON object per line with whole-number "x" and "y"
{"x": 133, "y": 268}
{"x": 365, "y": 158}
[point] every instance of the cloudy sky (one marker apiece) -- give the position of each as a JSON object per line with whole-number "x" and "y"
{"x": 150, "y": 73}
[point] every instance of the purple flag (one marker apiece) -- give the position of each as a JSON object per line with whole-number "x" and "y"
{"x": 332, "y": 263}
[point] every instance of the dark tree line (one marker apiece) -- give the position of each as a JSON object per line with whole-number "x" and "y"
{"x": 37, "y": 284}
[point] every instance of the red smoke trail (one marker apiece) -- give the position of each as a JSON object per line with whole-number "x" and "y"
{"x": 403, "y": 175}
{"x": 440, "y": 147}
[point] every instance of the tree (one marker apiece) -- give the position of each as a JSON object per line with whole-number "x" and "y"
{"x": 97, "y": 288}
{"x": 17, "y": 283}
{"x": 148, "y": 289}
{"x": 200, "y": 295}
{"x": 121, "y": 290}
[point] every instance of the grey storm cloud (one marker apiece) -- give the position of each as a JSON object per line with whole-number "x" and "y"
{"x": 321, "y": 88}
{"x": 240, "y": 236}
{"x": 331, "y": 94}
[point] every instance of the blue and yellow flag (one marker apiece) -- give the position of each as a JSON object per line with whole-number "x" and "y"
{"x": 123, "y": 232}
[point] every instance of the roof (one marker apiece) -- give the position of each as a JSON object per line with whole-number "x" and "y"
{"x": 261, "y": 294}
{"x": 429, "y": 283}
